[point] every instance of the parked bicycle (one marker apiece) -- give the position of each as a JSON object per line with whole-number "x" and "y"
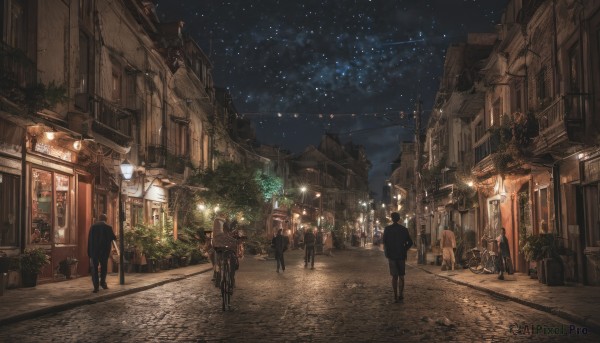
{"x": 485, "y": 261}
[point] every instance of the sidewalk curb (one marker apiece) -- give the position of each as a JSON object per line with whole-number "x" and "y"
{"x": 576, "y": 319}
{"x": 101, "y": 298}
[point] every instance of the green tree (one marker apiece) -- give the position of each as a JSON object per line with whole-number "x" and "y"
{"x": 232, "y": 187}
{"x": 269, "y": 185}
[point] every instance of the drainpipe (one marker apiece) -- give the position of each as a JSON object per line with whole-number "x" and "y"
{"x": 557, "y": 203}
{"x": 23, "y": 213}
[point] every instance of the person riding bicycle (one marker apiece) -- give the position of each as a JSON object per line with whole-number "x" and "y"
{"x": 222, "y": 241}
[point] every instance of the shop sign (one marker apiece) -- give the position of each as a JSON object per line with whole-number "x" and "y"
{"x": 591, "y": 170}
{"x": 49, "y": 164}
{"x": 54, "y": 151}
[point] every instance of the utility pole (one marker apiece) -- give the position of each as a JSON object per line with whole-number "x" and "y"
{"x": 417, "y": 183}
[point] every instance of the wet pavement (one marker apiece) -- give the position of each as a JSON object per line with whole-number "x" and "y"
{"x": 346, "y": 298}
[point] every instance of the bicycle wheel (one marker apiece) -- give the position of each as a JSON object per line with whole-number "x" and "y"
{"x": 217, "y": 271}
{"x": 226, "y": 285}
{"x": 475, "y": 265}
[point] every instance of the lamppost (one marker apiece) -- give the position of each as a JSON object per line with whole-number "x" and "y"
{"x": 126, "y": 173}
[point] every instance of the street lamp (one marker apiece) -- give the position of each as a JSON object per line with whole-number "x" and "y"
{"x": 126, "y": 173}
{"x": 303, "y": 190}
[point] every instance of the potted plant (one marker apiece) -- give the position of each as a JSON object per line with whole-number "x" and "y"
{"x": 67, "y": 265}
{"x": 543, "y": 250}
{"x": 32, "y": 262}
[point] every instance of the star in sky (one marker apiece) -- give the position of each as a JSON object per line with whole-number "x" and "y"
{"x": 301, "y": 68}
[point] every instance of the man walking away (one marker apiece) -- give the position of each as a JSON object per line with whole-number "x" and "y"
{"x": 396, "y": 242}
{"x": 279, "y": 243}
{"x": 309, "y": 248}
{"x": 448, "y": 244}
{"x": 99, "y": 245}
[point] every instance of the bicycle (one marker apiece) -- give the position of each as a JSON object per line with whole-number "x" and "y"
{"x": 224, "y": 274}
{"x": 483, "y": 261}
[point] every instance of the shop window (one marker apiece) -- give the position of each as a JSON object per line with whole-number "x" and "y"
{"x": 61, "y": 210}
{"x": 137, "y": 212}
{"x": 50, "y": 208}
{"x": 9, "y": 209}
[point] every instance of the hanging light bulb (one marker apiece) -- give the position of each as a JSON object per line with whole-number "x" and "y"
{"x": 77, "y": 145}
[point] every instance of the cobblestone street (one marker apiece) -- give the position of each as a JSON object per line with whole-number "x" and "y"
{"x": 346, "y": 298}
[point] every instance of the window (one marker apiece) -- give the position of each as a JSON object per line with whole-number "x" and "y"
{"x": 574, "y": 69}
{"x": 9, "y": 211}
{"x": 13, "y": 28}
{"x": 542, "y": 224}
{"x": 50, "y": 208}
{"x": 130, "y": 90}
{"x": 84, "y": 62}
{"x": 137, "y": 212}
{"x": 496, "y": 112}
{"x": 116, "y": 85}
{"x": 517, "y": 101}
{"x": 479, "y": 131}
{"x": 541, "y": 86}
{"x": 85, "y": 13}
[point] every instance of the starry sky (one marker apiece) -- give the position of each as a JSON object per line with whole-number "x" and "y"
{"x": 300, "y": 68}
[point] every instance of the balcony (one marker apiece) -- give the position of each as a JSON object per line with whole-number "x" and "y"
{"x": 486, "y": 146}
{"x": 16, "y": 69}
{"x": 156, "y": 156}
{"x": 561, "y": 122}
{"x": 112, "y": 121}
{"x": 17, "y": 74}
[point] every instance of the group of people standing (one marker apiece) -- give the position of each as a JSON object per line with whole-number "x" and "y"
{"x": 448, "y": 245}
{"x": 311, "y": 239}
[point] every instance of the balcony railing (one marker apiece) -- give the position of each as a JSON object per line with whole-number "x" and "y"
{"x": 156, "y": 155}
{"x": 486, "y": 146}
{"x": 568, "y": 109}
{"x": 113, "y": 116}
{"x": 16, "y": 68}
{"x": 112, "y": 121}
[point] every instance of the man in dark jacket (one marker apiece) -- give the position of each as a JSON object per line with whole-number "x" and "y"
{"x": 396, "y": 242}
{"x": 309, "y": 248}
{"x": 99, "y": 245}
{"x": 280, "y": 243}
{"x": 504, "y": 252}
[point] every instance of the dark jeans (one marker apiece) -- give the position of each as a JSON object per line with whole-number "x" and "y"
{"x": 309, "y": 255}
{"x": 103, "y": 262}
{"x": 504, "y": 264}
{"x": 280, "y": 261}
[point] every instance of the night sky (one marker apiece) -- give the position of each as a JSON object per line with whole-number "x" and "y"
{"x": 298, "y": 69}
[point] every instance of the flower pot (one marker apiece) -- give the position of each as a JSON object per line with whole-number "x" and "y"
{"x": 29, "y": 279}
{"x": 541, "y": 271}
{"x": 554, "y": 272}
